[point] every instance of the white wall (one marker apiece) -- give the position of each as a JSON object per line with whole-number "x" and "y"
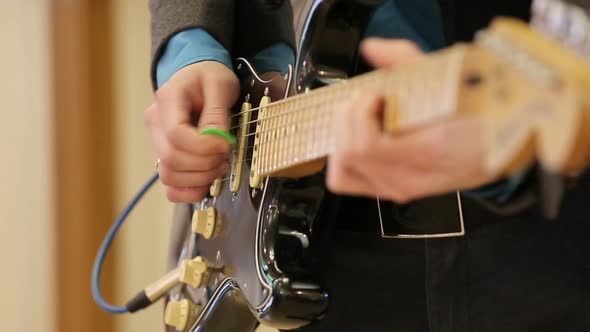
{"x": 26, "y": 234}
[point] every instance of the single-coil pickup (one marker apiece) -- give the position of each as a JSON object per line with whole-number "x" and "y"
{"x": 255, "y": 178}
{"x": 241, "y": 147}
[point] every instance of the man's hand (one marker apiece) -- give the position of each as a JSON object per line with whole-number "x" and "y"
{"x": 189, "y": 162}
{"x": 435, "y": 159}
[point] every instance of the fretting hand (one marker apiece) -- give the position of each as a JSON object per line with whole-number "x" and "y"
{"x": 434, "y": 159}
{"x": 188, "y": 161}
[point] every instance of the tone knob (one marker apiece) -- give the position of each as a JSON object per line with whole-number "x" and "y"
{"x": 215, "y": 188}
{"x": 206, "y": 222}
{"x": 180, "y": 314}
{"x": 195, "y": 272}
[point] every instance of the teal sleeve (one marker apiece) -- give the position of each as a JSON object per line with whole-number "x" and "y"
{"x": 196, "y": 45}
{"x": 188, "y": 47}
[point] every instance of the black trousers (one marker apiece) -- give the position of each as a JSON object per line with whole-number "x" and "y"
{"x": 508, "y": 274}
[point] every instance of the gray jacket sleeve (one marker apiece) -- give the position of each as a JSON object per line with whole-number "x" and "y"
{"x": 243, "y": 27}
{"x": 171, "y": 16}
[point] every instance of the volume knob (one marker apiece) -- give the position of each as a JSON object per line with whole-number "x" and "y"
{"x": 195, "y": 272}
{"x": 180, "y": 314}
{"x": 206, "y": 222}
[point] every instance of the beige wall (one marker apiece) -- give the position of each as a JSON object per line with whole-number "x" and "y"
{"x": 26, "y": 250}
{"x": 143, "y": 244}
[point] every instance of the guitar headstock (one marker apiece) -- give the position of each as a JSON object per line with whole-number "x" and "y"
{"x": 534, "y": 98}
{"x": 565, "y": 22}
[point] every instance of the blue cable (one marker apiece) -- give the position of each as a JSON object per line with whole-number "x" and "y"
{"x": 105, "y": 246}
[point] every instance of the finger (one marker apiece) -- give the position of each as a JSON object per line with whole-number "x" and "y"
{"x": 187, "y": 138}
{"x": 218, "y": 98}
{"x": 180, "y": 161}
{"x": 346, "y": 181}
{"x": 191, "y": 179}
{"x": 389, "y": 53}
{"x": 186, "y": 195}
{"x": 174, "y": 106}
{"x": 368, "y": 112}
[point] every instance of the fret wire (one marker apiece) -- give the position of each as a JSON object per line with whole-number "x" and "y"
{"x": 263, "y": 155}
{"x": 302, "y": 114}
{"x": 402, "y": 93}
{"x": 311, "y": 95}
{"x": 395, "y": 75}
{"x": 262, "y": 141}
{"x": 303, "y": 108}
{"x": 274, "y": 150}
{"x": 266, "y": 138}
{"x": 247, "y": 160}
{"x": 316, "y": 92}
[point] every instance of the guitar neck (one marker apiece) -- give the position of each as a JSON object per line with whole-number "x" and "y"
{"x": 298, "y": 131}
{"x": 529, "y": 93}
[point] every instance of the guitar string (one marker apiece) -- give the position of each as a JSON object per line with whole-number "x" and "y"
{"x": 318, "y": 98}
{"x": 302, "y": 128}
{"x": 270, "y": 139}
{"x": 269, "y": 126}
{"x": 248, "y": 160}
{"x": 267, "y": 140}
{"x": 279, "y": 113}
{"x": 325, "y": 90}
{"x": 302, "y": 155}
{"x": 377, "y": 78}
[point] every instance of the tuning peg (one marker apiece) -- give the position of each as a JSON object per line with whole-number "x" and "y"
{"x": 566, "y": 23}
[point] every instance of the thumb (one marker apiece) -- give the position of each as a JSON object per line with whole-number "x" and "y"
{"x": 218, "y": 98}
{"x": 389, "y": 53}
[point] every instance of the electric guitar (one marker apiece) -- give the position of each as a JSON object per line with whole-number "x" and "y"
{"x": 251, "y": 248}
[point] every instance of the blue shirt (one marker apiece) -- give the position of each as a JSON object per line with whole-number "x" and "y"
{"x": 417, "y": 20}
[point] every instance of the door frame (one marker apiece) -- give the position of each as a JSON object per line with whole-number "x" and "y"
{"x": 82, "y": 68}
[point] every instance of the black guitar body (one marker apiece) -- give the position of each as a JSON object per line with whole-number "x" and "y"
{"x": 268, "y": 244}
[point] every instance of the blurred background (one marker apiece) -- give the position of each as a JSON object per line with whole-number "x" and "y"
{"x": 74, "y": 83}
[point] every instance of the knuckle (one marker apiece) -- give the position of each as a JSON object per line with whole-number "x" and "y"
{"x": 173, "y": 196}
{"x": 150, "y": 115}
{"x": 167, "y": 157}
{"x": 201, "y": 179}
{"x": 195, "y": 194}
{"x": 334, "y": 184}
{"x": 407, "y": 191}
{"x": 211, "y": 163}
{"x": 214, "y": 114}
{"x": 216, "y": 146}
{"x": 164, "y": 93}
{"x": 334, "y": 180}
{"x": 350, "y": 153}
{"x": 166, "y": 176}
{"x": 169, "y": 93}
{"x": 174, "y": 136}
{"x": 432, "y": 151}
{"x": 399, "y": 196}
